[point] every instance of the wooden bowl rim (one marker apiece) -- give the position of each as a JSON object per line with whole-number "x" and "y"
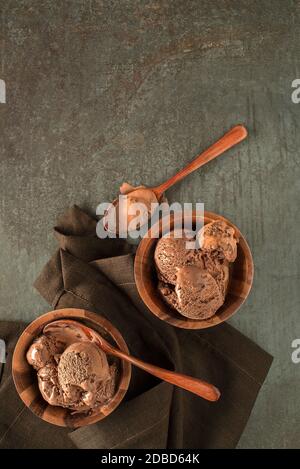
{"x": 174, "y": 318}
{"x": 19, "y": 356}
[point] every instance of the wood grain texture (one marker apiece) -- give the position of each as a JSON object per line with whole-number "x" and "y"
{"x": 25, "y": 378}
{"x": 240, "y": 282}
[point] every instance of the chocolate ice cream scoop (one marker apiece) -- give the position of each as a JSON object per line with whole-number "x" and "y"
{"x": 198, "y": 293}
{"x": 171, "y": 253}
{"x": 82, "y": 369}
{"x": 220, "y": 239}
{"x": 195, "y": 281}
{"x": 130, "y": 210}
{"x": 42, "y": 351}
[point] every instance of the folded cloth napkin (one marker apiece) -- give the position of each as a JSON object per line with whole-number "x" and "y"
{"x": 97, "y": 274}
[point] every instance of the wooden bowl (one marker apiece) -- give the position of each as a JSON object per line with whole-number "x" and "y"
{"x": 240, "y": 282}
{"x": 25, "y": 378}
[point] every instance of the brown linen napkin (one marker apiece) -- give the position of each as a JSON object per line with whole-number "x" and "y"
{"x": 97, "y": 275}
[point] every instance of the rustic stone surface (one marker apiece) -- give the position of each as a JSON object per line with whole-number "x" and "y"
{"x": 104, "y": 91}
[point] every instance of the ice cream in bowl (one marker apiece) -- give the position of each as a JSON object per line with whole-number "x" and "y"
{"x": 62, "y": 375}
{"x": 196, "y": 279}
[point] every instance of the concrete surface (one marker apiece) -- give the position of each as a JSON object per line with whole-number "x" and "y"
{"x": 104, "y": 91}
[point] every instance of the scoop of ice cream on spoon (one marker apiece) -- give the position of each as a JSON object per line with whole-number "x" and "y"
{"x": 141, "y": 201}
{"x": 131, "y": 210}
{"x": 146, "y": 196}
{"x": 199, "y": 295}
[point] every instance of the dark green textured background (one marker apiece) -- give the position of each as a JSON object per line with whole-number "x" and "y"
{"x": 104, "y": 91}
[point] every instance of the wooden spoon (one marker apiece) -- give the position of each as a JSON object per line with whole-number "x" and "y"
{"x": 231, "y": 138}
{"x": 71, "y": 328}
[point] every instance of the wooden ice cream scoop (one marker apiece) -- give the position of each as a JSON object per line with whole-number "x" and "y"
{"x": 231, "y": 138}
{"x": 196, "y": 386}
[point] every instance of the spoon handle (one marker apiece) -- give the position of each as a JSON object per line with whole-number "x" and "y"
{"x": 231, "y": 138}
{"x": 194, "y": 385}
